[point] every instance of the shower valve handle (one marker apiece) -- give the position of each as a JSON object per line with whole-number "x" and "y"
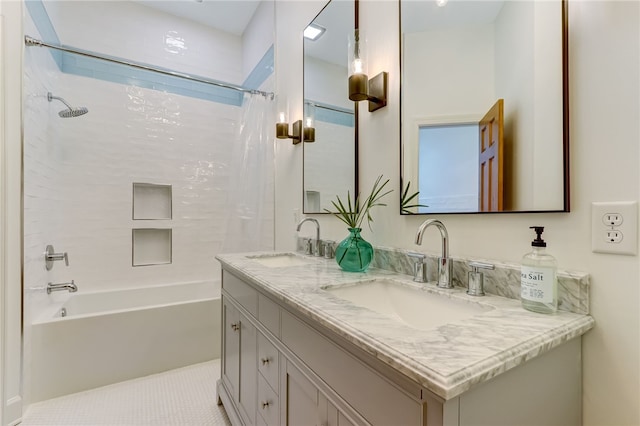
{"x": 51, "y": 256}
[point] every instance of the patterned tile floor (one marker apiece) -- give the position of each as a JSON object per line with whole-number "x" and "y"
{"x": 181, "y": 397}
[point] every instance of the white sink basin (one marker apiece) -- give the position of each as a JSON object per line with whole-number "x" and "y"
{"x": 281, "y": 260}
{"x": 409, "y": 305}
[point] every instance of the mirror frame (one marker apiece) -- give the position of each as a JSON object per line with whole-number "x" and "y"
{"x": 564, "y": 4}
{"x": 355, "y": 117}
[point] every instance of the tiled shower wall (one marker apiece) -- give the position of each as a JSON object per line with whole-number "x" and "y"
{"x": 41, "y": 179}
{"x": 79, "y": 172}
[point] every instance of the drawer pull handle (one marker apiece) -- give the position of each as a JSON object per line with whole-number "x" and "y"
{"x": 265, "y": 361}
{"x": 265, "y": 404}
{"x": 235, "y": 326}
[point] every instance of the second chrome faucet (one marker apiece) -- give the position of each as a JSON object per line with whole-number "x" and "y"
{"x": 445, "y": 265}
{"x": 317, "y": 251}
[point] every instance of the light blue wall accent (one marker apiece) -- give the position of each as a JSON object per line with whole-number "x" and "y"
{"x": 262, "y": 70}
{"x": 116, "y": 73}
{"x": 328, "y": 114}
{"x": 45, "y": 27}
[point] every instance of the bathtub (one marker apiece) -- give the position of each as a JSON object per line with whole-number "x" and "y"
{"x": 108, "y": 337}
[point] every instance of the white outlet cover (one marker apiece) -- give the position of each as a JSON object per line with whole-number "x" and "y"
{"x": 629, "y": 227}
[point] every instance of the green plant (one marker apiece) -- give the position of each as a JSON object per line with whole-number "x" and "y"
{"x": 354, "y": 214}
{"x": 406, "y": 199}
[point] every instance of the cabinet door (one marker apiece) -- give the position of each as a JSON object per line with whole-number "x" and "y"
{"x": 302, "y": 399}
{"x": 248, "y": 369}
{"x": 231, "y": 348}
{"x": 335, "y": 417}
{"x": 239, "y": 361}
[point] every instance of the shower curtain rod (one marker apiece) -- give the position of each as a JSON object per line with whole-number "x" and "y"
{"x": 336, "y": 109}
{"x": 30, "y": 41}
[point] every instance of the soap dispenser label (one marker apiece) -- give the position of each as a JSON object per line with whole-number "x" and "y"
{"x": 536, "y": 284}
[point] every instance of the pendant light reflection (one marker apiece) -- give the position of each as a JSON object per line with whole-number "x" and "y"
{"x": 309, "y": 131}
{"x": 360, "y": 87}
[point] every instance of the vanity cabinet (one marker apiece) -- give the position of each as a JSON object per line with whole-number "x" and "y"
{"x": 238, "y": 360}
{"x": 306, "y": 405}
{"x": 280, "y": 367}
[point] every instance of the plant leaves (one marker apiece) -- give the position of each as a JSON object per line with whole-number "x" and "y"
{"x": 353, "y": 214}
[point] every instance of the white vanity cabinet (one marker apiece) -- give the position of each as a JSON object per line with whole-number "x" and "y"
{"x": 239, "y": 369}
{"x": 306, "y": 405}
{"x": 280, "y": 367}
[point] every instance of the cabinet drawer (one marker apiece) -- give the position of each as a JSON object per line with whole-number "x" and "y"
{"x": 376, "y": 399}
{"x": 268, "y": 361}
{"x": 269, "y": 314}
{"x": 241, "y": 292}
{"x": 268, "y": 403}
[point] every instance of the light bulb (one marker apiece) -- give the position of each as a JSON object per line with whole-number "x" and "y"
{"x": 357, "y": 66}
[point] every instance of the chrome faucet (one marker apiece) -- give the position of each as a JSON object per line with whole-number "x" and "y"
{"x": 316, "y": 244}
{"x": 71, "y": 287}
{"x": 419, "y": 267}
{"x": 445, "y": 265}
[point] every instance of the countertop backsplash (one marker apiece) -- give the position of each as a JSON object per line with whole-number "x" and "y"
{"x": 504, "y": 280}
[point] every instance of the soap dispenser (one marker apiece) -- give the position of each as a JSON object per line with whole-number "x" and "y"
{"x": 539, "y": 283}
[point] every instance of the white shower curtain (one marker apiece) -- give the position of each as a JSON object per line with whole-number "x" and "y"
{"x": 250, "y": 220}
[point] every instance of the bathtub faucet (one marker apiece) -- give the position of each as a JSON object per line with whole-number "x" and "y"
{"x": 71, "y": 287}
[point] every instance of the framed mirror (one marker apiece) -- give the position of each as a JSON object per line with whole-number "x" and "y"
{"x": 330, "y": 118}
{"x": 484, "y": 106}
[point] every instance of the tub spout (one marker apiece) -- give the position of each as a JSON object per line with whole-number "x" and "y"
{"x": 71, "y": 287}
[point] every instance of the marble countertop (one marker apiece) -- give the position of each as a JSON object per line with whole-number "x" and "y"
{"x": 448, "y": 359}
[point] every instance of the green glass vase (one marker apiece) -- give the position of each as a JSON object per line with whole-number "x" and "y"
{"x": 354, "y": 254}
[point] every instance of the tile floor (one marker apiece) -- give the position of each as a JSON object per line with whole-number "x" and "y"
{"x": 181, "y": 397}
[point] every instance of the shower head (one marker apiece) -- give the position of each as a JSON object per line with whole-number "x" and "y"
{"x": 70, "y": 111}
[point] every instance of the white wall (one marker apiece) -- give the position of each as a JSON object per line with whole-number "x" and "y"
{"x": 11, "y": 48}
{"x": 450, "y": 72}
{"x": 604, "y": 105}
{"x": 328, "y": 163}
{"x": 291, "y": 18}
{"x": 42, "y": 203}
{"x": 79, "y": 172}
{"x": 527, "y": 70}
{"x": 147, "y": 35}
{"x": 326, "y": 82}
{"x": 258, "y": 36}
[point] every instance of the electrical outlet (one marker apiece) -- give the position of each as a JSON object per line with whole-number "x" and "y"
{"x": 613, "y": 236}
{"x": 612, "y": 219}
{"x": 614, "y": 227}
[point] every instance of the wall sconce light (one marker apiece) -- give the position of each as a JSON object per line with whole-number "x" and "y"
{"x": 360, "y": 87}
{"x": 309, "y": 130}
{"x": 282, "y": 129}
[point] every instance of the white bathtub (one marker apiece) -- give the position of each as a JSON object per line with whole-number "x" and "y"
{"x": 107, "y": 337}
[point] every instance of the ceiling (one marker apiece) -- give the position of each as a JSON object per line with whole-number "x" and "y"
{"x": 231, "y": 16}
{"x": 418, "y": 16}
{"x": 337, "y": 18}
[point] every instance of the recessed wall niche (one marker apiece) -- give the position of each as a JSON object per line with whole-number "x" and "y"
{"x": 151, "y": 246}
{"x": 151, "y": 201}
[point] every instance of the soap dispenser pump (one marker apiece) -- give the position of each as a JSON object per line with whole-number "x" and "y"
{"x": 539, "y": 283}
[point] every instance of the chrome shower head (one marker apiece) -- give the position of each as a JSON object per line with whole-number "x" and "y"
{"x": 70, "y": 111}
